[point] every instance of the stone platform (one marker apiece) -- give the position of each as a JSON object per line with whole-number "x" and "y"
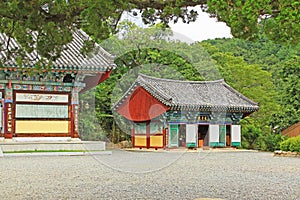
{"x": 50, "y": 144}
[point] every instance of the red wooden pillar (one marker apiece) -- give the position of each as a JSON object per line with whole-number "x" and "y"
{"x": 2, "y": 120}
{"x": 133, "y": 137}
{"x": 74, "y": 113}
{"x": 71, "y": 127}
{"x": 8, "y": 121}
{"x": 148, "y": 134}
{"x": 74, "y": 121}
{"x": 8, "y": 112}
{"x": 164, "y": 137}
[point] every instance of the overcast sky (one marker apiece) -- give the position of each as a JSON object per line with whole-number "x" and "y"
{"x": 204, "y": 28}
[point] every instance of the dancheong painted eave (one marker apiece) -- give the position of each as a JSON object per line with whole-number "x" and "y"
{"x": 192, "y": 95}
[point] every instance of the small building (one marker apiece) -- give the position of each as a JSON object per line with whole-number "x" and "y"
{"x": 44, "y": 103}
{"x": 292, "y": 131}
{"x": 172, "y": 113}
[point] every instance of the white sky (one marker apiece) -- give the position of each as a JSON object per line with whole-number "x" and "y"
{"x": 204, "y": 28}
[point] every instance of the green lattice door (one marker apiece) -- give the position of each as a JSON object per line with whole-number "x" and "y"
{"x": 222, "y": 135}
{"x": 174, "y": 135}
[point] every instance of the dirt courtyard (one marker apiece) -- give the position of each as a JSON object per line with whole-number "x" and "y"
{"x": 151, "y": 175}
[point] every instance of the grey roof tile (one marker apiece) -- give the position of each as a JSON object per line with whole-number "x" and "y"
{"x": 193, "y": 95}
{"x": 71, "y": 56}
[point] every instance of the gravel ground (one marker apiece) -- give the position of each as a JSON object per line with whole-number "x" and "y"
{"x": 151, "y": 175}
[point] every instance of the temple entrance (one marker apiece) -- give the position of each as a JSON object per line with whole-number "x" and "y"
{"x": 182, "y": 135}
{"x": 203, "y": 139}
{"x": 177, "y": 135}
{"x": 228, "y": 135}
{"x": 173, "y": 141}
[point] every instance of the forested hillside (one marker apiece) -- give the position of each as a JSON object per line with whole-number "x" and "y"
{"x": 264, "y": 71}
{"x": 282, "y": 62}
{"x": 281, "y": 100}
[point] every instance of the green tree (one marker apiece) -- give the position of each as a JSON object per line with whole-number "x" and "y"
{"x": 250, "y": 80}
{"x": 193, "y": 62}
{"x": 282, "y": 62}
{"x": 263, "y": 52}
{"x": 250, "y": 135}
{"x": 148, "y": 51}
{"x": 288, "y": 75}
{"x": 54, "y": 21}
{"x": 270, "y": 141}
{"x": 89, "y": 128}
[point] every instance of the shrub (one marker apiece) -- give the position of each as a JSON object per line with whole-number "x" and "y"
{"x": 291, "y": 144}
{"x": 295, "y": 144}
{"x": 271, "y": 141}
{"x": 285, "y": 145}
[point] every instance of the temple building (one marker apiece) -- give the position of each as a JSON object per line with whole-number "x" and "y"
{"x": 168, "y": 113}
{"x": 44, "y": 103}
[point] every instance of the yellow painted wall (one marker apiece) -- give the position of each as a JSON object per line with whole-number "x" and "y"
{"x": 140, "y": 141}
{"x": 156, "y": 141}
{"x": 42, "y": 126}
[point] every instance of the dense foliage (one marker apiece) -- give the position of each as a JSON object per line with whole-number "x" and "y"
{"x": 265, "y": 71}
{"x": 282, "y": 65}
{"x": 239, "y": 62}
{"x": 54, "y": 20}
{"x": 291, "y": 144}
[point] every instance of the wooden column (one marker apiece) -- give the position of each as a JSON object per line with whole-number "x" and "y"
{"x": 133, "y": 137}
{"x": 74, "y": 121}
{"x": 164, "y": 137}
{"x": 74, "y": 113}
{"x": 8, "y": 124}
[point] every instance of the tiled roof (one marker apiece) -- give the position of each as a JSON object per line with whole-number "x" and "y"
{"x": 193, "y": 95}
{"x": 70, "y": 59}
{"x": 292, "y": 131}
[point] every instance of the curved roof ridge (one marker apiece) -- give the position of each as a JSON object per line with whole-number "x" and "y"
{"x": 128, "y": 92}
{"x": 180, "y": 81}
{"x": 152, "y": 90}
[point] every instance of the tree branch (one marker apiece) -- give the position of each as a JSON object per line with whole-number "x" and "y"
{"x": 158, "y": 4}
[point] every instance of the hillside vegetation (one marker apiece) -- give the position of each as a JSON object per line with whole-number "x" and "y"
{"x": 265, "y": 72}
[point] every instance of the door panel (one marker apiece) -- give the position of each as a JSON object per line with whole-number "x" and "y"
{"x": 222, "y": 135}
{"x": 174, "y": 135}
{"x": 213, "y": 135}
{"x": 191, "y": 135}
